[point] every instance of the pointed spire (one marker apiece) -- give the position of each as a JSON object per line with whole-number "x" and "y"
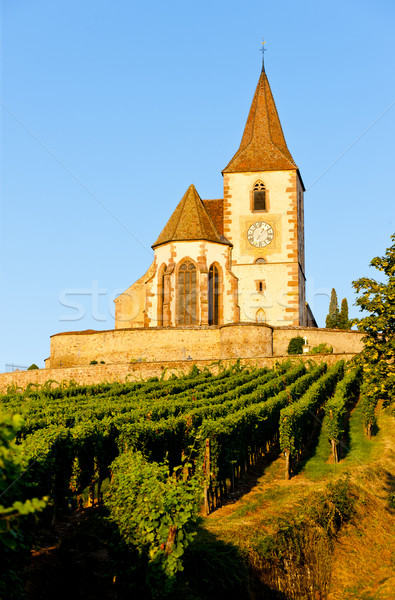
{"x": 263, "y": 50}
{"x": 190, "y": 221}
{"x": 263, "y": 146}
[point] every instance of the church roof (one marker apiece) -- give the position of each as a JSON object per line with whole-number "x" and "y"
{"x": 215, "y": 209}
{"x": 190, "y": 221}
{"x": 263, "y": 146}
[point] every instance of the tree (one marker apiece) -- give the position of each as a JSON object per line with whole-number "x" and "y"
{"x": 332, "y": 320}
{"x": 343, "y": 322}
{"x": 295, "y": 345}
{"x": 378, "y": 356}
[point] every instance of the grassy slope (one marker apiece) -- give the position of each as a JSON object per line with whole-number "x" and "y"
{"x": 364, "y": 555}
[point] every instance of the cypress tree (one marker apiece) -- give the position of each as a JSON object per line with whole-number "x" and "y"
{"x": 332, "y": 320}
{"x": 343, "y": 316}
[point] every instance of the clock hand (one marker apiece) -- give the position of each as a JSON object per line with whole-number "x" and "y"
{"x": 263, "y": 232}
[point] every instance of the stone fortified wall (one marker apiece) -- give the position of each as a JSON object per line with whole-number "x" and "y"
{"x": 131, "y": 354}
{"x": 237, "y": 340}
{"x": 160, "y": 344}
{"x": 340, "y": 340}
{"x": 86, "y": 375}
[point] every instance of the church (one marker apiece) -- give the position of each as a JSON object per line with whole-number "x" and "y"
{"x": 236, "y": 259}
{"x": 228, "y": 276}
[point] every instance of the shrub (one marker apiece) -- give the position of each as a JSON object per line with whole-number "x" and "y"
{"x": 156, "y": 513}
{"x": 33, "y": 366}
{"x": 295, "y": 345}
{"x": 322, "y": 349}
{"x": 93, "y": 362}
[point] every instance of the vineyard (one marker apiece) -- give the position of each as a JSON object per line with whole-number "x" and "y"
{"x": 156, "y": 454}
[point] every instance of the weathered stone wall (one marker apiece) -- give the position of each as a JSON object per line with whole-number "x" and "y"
{"x": 246, "y": 340}
{"x": 341, "y": 340}
{"x": 134, "y": 372}
{"x": 126, "y": 345}
{"x": 196, "y": 343}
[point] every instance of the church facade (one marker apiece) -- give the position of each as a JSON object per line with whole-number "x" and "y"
{"x": 235, "y": 259}
{"x": 228, "y": 276}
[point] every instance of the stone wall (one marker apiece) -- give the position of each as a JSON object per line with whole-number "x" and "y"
{"x": 341, "y": 340}
{"x": 195, "y": 343}
{"x": 126, "y": 345}
{"x": 246, "y": 340}
{"x": 134, "y": 372}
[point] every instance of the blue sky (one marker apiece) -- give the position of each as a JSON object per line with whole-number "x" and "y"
{"x": 109, "y": 111}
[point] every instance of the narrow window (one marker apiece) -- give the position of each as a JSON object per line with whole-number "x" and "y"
{"x": 187, "y": 294}
{"x": 161, "y": 294}
{"x": 260, "y": 286}
{"x": 260, "y": 316}
{"x": 213, "y": 296}
{"x": 259, "y": 196}
{"x": 161, "y": 298}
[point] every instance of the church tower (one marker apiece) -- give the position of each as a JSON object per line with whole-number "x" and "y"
{"x": 263, "y": 219}
{"x": 235, "y": 259}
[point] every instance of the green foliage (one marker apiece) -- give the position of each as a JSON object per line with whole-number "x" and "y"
{"x": 298, "y": 419}
{"x": 334, "y": 507}
{"x": 321, "y": 349}
{"x": 332, "y": 320}
{"x": 295, "y": 345}
{"x": 322, "y": 517}
{"x": 345, "y": 396}
{"x": 32, "y": 367}
{"x": 156, "y": 513}
{"x": 47, "y": 458}
{"x": 377, "y": 299}
{"x": 239, "y": 434}
{"x": 15, "y": 511}
{"x": 336, "y": 319}
{"x": 344, "y": 322}
{"x": 194, "y": 372}
{"x": 369, "y": 399}
{"x": 93, "y": 362}
{"x": 72, "y": 434}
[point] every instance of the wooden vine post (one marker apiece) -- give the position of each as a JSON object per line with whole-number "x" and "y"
{"x": 287, "y": 464}
{"x": 171, "y": 538}
{"x": 335, "y": 451}
{"x": 287, "y": 453}
{"x": 206, "y": 471}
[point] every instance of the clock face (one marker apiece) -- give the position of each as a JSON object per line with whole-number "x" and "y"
{"x": 260, "y": 234}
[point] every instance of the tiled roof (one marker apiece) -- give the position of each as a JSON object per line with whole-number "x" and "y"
{"x": 215, "y": 209}
{"x": 263, "y": 147}
{"x": 189, "y": 221}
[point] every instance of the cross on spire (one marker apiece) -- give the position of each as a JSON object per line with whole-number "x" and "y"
{"x": 263, "y": 50}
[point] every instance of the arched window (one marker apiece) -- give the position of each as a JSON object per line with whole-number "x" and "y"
{"x": 187, "y": 294}
{"x": 213, "y": 295}
{"x": 260, "y": 316}
{"x": 161, "y": 294}
{"x": 260, "y": 261}
{"x": 259, "y": 200}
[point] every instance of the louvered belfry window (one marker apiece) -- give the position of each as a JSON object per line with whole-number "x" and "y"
{"x": 187, "y": 294}
{"x": 259, "y": 196}
{"x": 213, "y": 296}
